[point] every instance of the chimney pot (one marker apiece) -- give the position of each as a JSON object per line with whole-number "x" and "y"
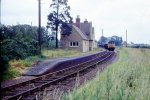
{"x": 78, "y": 21}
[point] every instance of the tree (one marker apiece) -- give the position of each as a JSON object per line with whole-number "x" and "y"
{"x": 102, "y": 41}
{"x": 59, "y": 17}
{"x": 117, "y": 40}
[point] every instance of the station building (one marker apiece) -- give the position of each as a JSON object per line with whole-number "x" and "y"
{"x": 82, "y": 37}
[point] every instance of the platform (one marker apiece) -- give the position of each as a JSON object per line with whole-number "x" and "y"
{"x": 53, "y": 65}
{"x": 44, "y": 66}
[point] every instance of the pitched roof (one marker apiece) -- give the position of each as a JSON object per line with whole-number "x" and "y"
{"x": 86, "y": 28}
{"x": 80, "y": 32}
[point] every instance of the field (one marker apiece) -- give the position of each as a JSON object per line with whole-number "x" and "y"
{"x": 17, "y": 67}
{"x": 127, "y": 79}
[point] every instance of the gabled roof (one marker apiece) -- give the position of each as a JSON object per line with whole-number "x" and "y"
{"x": 85, "y": 27}
{"x": 80, "y": 32}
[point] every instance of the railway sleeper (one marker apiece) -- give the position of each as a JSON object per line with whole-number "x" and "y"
{"x": 32, "y": 97}
{"x": 5, "y": 98}
{"x": 62, "y": 83}
{"x": 51, "y": 79}
{"x": 42, "y": 81}
{"x": 7, "y": 93}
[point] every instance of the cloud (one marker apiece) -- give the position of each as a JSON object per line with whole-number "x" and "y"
{"x": 114, "y": 16}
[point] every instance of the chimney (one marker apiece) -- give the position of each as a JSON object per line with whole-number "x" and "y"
{"x": 78, "y": 21}
{"x": 85, "y": 21}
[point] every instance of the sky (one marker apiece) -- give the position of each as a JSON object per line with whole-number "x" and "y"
{"x": 113, "y": 16}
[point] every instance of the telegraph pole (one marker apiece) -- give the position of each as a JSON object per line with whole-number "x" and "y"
{"x": 126, "y": 38}
{"x": 57, "y": 24}
{"x": 39, "y": 20}
{"x": 102, "y": 32}
{"x": 0, "y": 11}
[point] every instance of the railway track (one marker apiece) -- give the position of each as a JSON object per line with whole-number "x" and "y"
{"x": 28, "y": 90}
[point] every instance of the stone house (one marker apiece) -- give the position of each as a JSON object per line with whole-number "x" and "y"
{"x": 82, "y": 37}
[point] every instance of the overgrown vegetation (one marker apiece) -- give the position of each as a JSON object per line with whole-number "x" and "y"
{"x": 18, "y": 67}
{"x": 127, "y": 79}
{"x": 19, "y": 42}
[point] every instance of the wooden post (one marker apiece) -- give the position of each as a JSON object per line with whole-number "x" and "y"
{"x": 39, "y": 19}
{"x": 126, "y": 39}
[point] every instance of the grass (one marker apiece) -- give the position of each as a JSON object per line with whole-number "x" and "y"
{"x": 18, "y": 67}
{"x": 127, "y": 79}
{"x": 58, "y": 53}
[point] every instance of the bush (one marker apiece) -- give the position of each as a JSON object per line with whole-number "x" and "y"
{"x": 17, "y": 42}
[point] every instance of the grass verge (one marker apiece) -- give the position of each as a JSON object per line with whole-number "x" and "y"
{"x": 17, "y": 67}
{"x": 127, "y": 79}
{"x": 58, "y": 53}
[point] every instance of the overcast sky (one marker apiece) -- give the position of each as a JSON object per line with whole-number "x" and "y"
{"x": 113, "y": 16}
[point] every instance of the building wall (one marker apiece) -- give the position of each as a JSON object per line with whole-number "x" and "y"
{"x": 90, "y": 45}
{"x": 95, "y": 44}
{"x": 88, "y": 30}
{"x": 93, "y": 34}
{"x": 83, "y": 45}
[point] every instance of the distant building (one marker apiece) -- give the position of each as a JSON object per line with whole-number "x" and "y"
{"x": 82, "y": 37}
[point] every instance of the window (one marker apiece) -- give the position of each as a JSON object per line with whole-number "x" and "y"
{"x": 74, "y": 44}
